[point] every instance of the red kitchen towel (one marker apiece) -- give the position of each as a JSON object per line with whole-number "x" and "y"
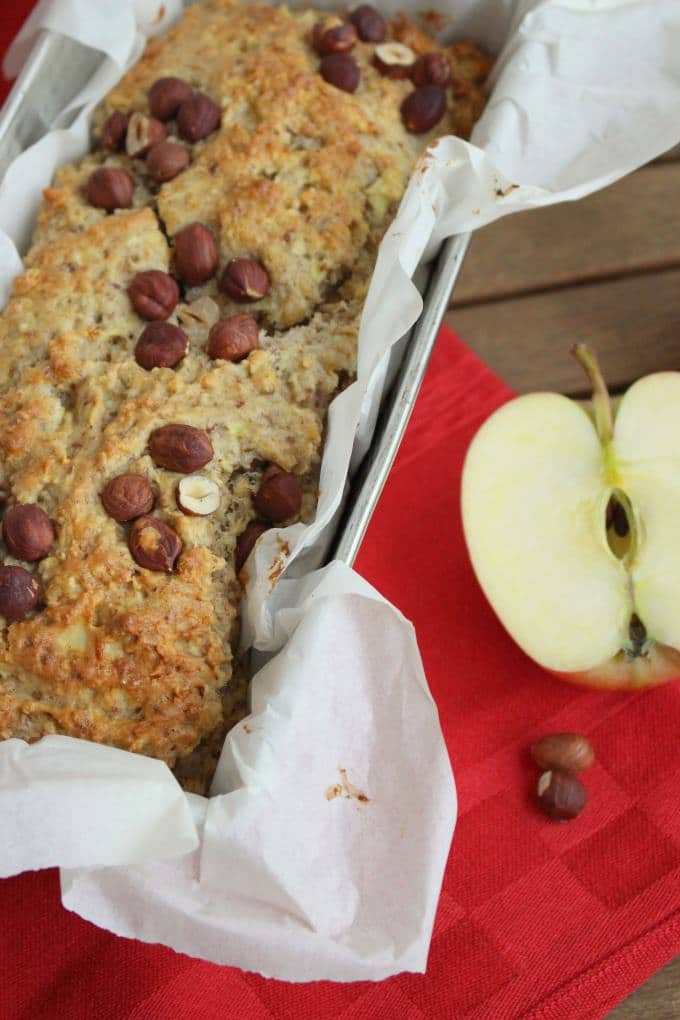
{"x": 536, "y": 920}
{"x": 12, "y": 17}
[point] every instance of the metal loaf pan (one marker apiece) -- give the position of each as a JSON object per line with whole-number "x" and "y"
{"x": 38, "y": 97}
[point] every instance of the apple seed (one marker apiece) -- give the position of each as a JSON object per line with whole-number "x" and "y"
{"x": 620, "y": 520}
{"x": 637, "y": 632}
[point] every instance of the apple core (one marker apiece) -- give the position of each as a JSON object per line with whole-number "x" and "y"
{"x": 572, "y": 522}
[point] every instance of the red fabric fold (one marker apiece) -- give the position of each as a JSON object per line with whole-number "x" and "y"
{"x": 536, "y": 920}
{"x": 12, "y": 17}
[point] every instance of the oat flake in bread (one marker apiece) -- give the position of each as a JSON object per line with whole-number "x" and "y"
{"x": 279, "y": 185}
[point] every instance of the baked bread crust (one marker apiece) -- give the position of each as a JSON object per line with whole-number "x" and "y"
{"x": 302, "y": 177}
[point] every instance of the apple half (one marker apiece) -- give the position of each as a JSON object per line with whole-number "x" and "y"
{"x": 572, "y": 522}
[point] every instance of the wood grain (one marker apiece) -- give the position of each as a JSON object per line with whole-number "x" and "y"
{"x": 631, "y": 227}
{"x": 671, "y": 154}
{"x": 634, "y": 325}
{"x": 657, "y": 999}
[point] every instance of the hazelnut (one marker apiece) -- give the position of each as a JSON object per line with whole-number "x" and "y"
{"x": 233, "y": 339}
{"x": 245, "y": 280}
{"x": 166, "y": 95}
{"x": 154, "y": 294}
{"x": 561, "y": 796}
{"x": 369, "y": 23}
{"x": 153, "y": 544}
{"x": 180, "y": 448}
{"x": 394, "y": 60}
{"x": 431, "y": 69}
{"x": 28, "y": 532}
{"x": 199, "y": 315}
{"x": 142, "y": 133}
{"x": 114, "y": 131}
{"x": 246, "y": 541}
{"x": 460, "y": 87}
{"x": 19, "y": 592}
{"x": 198, "y": 117}
{"x": 127, "y": 496}
{"x": 568, "y": 752}
{"x": 423, "y": 108}
{"x": 334, "y": 38}
{"x": 340, "y": 70}
{"x": 165, "y": 161}
{"x": 161, "y": 345}
{"x": 198, "y": 496}
{"x": 279, "y": 496}
{"x": 196, "y": 254}
{"x": 110, "y": 188}
{"x": 323, "y": 25}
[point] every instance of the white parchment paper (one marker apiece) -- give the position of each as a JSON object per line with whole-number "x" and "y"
{"x": 321, "y": 852}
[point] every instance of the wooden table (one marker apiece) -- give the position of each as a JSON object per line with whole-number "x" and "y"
{"x": 605, "y": 270}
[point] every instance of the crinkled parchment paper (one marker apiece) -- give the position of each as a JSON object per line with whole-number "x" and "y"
{"x": 321, "y": 852}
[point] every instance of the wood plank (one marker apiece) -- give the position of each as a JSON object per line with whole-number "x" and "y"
{"x": 657, "y": 999}
{"x": 669, "y": 156}
{"x": 632, "y": 226}
{"x": 633, "y": 324}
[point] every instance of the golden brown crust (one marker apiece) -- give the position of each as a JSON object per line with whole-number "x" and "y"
{"x": 305, "y": 178}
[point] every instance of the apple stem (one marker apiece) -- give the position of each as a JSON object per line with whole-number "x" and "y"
{"x": 604, "y": 423}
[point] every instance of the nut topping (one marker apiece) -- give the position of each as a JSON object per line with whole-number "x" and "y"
{"x": 196, "y": 254}
{"x": 142, "y": 133}
{"x": 460, "y": 86}
{"x": 369, "y": 23}
{"x": 322, "y": 26}
{"x": 334, "y": 38}
{"x": 161, "y": 345}
{"x": 431, "y": 69}
{"x": 200, "y": 315}
{"x": 568, "y": 752}
{"x": 423, "y": 108}
{"x": 28, "y": 532}
{"x": 154, "y": 545}
{"x": 233, "y": 339}
{"x": 198, "y": 117}
{"x": 19, "y": 592}
{"x": 114, "y": 131}
{"x": 167, "y": 95}
{"x": 154, "y": 294}
{"x": 394, "y": 60}
{"x": 340, "y": 70}
{"x": 127, "y": 496}
{"x": 165, "y": 161}
{"x": 245, "y": 280}
{"x": 561, "y": 796}
{"x": 180, "y": 448}
{"x": 246, "y": 541}
{"x": 198, "y": 496}
{"x": 279, "y": 496}
{"x": 110, "y": 188}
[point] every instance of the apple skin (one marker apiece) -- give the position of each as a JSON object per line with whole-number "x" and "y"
{"x": 660, "y": 666}
{"x": 536, "y": 481}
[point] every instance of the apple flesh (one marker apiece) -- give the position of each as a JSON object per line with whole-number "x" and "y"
{"x": 572, "y": 522}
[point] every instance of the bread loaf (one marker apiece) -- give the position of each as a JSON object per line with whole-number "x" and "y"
{"x": 189, "y": 307}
